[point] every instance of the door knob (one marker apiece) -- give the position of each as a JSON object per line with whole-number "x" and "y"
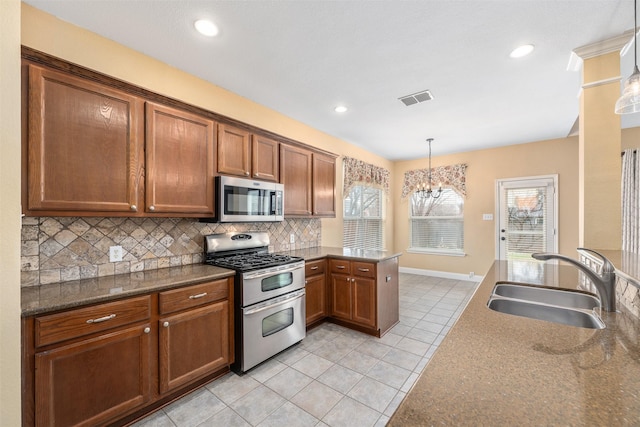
{"x": 503, "y": 238}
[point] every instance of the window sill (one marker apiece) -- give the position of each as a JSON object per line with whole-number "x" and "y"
{"x": 435, "y": 252}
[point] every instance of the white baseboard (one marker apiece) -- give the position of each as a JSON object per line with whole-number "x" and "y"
{"x": 443, "y": 274}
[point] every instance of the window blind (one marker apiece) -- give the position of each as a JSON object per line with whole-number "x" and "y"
{"x": 437, "y": 225}
{"x": 526, "y": 213}
{"x": 363, "y": 220}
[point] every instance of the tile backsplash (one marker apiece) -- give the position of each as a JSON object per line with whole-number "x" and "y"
{"x": 58, "y": 249}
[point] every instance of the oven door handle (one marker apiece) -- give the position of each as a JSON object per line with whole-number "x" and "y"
{"x": 273, "y": 273}
{"x": 296, "y": 295}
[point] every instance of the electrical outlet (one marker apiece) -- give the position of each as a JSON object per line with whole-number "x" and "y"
{"x": 115, "y": 253}
{"x": 292, "y": 238}
{"x": 487, "y": 217}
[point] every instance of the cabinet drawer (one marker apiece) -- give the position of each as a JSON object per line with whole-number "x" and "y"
{"x": 340, "y": 266}
{"x": 193, "y": 296}
{"x": 84, "y": 321}
{"x": 363, "y": 269}
{"x": 312, "y": 268}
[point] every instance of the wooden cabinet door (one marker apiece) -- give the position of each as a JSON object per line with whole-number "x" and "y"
{"x": 84, "y": 145}
{"x": 265, "y": 158}
{"x": 179, "y": 161}
{"x": 324, "y": 185}
{"x": 364, "y": 301}
{"x": 341, "y": 296}
{"x": 315, "y": 298}
{"x": 94, "y": 380}
{"x": 192, "y": 344}
{"x": 233, "y": 151}
{"x": 295, "y": 174}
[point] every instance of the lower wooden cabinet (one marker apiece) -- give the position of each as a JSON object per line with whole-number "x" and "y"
{"x": 364, "y": 294}
{"x": 98, "y": 365}
{"x": 94, "y": 380}
{"x": 205, "y": 333}
{"x": 316, "y": 295}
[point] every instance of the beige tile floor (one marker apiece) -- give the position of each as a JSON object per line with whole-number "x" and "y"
{"x": 335, "y": 376}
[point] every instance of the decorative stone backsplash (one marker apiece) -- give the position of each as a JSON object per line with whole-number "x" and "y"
{"x": 58, "y": 249}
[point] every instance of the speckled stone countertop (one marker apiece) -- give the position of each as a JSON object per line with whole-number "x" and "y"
{"x": 345, "y": 253}
{"x": 57, "y": 296}
{"x": 497, "y": 369}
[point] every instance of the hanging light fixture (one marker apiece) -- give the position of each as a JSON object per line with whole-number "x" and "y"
{"x": 629, "y": 102}
{"x": 425, "y": 191}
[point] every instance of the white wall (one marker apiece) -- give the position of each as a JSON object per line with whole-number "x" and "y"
{"x": 10, "y": 213}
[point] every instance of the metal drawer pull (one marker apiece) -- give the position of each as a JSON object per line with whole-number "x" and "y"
{"x": 315, "y": 267}
{"x": 147, "y": 330}
{"x": 165, "y": 324}
{"x": 101, "y": 319}
{"x": 363, "y": 269}
{"x": 341, "y": 267}
{"x": 197, "y": 295}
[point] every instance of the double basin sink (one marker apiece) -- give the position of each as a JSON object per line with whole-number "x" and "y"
{"x": 563, "y": 306}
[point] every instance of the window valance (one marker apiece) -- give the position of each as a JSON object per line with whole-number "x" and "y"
{"x": 452, "y": 176}
{"x": 356, "y": 172}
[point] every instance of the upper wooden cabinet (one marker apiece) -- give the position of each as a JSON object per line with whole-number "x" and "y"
{"x": 309, "y": 182}
{"x": 324, "y": 185}
{"x": 179, "y": 161}
{"x": 265, "y": 158}
{"x": 244, "y": 154}
{"x": 84, "y": 142}
{"x": 295, "y": 174}
{"x": 234, "y": 151}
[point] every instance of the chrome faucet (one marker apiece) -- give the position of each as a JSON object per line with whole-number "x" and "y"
{"x": 605, "y": 282}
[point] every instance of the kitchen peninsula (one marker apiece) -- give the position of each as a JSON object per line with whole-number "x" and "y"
{"x": 500, "y": 369}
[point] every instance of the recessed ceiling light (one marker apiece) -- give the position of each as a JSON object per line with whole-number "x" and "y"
{"x": 206, "y": 27}
{"x": 521, "y": 51}
{"x": 340, "y": 109}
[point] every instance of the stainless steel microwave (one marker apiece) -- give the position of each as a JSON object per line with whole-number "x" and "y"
{"x": 246, "y": 200}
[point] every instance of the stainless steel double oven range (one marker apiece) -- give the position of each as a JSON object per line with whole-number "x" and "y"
{"x": 269, "y": 295}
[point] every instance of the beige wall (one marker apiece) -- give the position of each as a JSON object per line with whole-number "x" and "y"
{"x": 484, "y": 167}
{"x": 46, "y": 33}
{"x": 631, "y": 138}
{"x": 10, "y": 212}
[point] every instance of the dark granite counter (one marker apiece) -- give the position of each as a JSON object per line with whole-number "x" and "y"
{"x": 502, "y": 370}
{"x": 344, "y": 253}
{"x": 57, "y": 296}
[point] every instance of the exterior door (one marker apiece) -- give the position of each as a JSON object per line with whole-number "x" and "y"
{"x": 527, "y": 217}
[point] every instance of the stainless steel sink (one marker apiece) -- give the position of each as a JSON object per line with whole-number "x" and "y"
{"x": 553, "y": 296}
{"x": 550, "y": 304}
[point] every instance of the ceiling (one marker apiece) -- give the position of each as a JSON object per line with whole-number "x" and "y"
{"x": 304, "y": 57}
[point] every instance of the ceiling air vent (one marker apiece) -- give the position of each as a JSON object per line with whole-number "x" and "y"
{"x": 425, "y": 95}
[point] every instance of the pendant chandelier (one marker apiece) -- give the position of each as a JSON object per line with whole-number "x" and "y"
{"x": 425, "y": 191}
{"x": 629, "y": 102}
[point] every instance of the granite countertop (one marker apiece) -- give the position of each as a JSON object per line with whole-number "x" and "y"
{"x": 499, "y": 369}
{"x": 345, "y": 253}
{"x": 57, "y": 296}
{"x": 64, "y": 295}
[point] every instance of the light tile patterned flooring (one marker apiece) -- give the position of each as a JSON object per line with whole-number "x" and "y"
{"x": 335, "y": 376}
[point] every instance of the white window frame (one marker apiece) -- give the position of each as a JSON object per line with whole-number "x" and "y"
{"x": 434, "y": 251}
{"x": 380, "y": 218}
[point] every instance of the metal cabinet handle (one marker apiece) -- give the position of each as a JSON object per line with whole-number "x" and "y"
{"x": 152, "y": 208}
{"x": 353, "y": 280}
{"x": 306, "y": 281}
{"x": 348, "y": 279}
{"x": 134, "y": 208}
{"x": 363, "y": 269}
{"x": 165, "y": 324}
{"x": 197, "y": 295}
{"x": 147, "y": 330}
{"x": 340, "y": 267}
{"x": 246, "y": 173}
{"x": 101, "y": 319}
{"x": 315, "y": 267}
